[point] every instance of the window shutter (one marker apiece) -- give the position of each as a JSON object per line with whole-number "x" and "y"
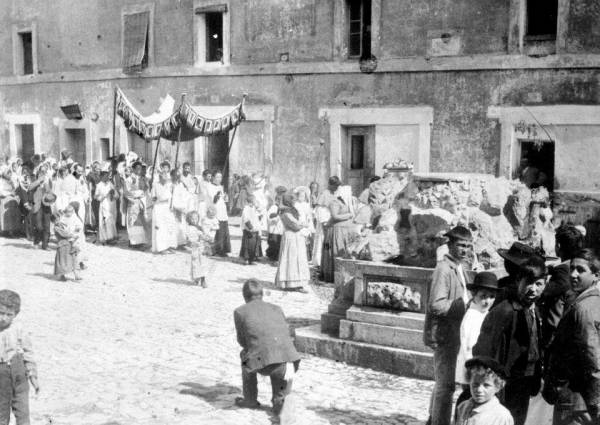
{"x": 135, "y": 35}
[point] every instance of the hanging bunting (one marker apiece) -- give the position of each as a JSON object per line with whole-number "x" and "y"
{"x": 185, "y": 117}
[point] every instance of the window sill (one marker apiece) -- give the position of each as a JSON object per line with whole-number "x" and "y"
{"x": 543, "y": 37}
{"x": 539, "y": 47}
{"x": 210, "y": 65}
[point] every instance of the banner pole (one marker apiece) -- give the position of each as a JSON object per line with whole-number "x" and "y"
{"x": 178, "y": 143}
{"x": 154, "y": 162}
{"x": 114, "y": 120}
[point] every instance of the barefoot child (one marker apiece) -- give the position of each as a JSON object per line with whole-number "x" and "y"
{"x": 486, "y": 378}
{"x": 67, "y": 231}
{"x": 17, "y": 364}
{"x": 197, "y": 238}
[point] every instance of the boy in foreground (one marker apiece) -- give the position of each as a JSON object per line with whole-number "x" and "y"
{"x": 486, "y": 378}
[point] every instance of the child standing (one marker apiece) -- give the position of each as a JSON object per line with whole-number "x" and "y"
{"x": 67, "y": 230}
{"x": 197, "y": 238}
{"x": 483, "y": 289}
{"x": 210, "y": 225}
{"x": 251, "y": 244}
{"x": 486, "y": 378}
{"x": 17, "y": 365}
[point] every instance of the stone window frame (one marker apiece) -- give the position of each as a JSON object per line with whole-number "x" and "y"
{"x": 17, "y": 52}
{"x": 18, "y": 119}
{"x": 519, "y": 43}
{"x": 340, "y": 29}
{"x": 139, "y": 8}
{"x": 338, "y": 118}
{"x": 201, "y": 7}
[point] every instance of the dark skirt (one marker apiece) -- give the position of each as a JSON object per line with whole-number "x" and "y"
{"x": 274, "y": 242}
{"x": 222, "y": 241}
{"x": 65, "y": 259}
{"x": 335, "y": 245}
{"x": 251, "y": 249}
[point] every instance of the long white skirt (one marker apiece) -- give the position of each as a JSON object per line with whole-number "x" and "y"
{"x": 164, "y": 227}
{"x": 107, "y": 220}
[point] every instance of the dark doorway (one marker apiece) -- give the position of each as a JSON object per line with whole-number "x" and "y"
{"x": 26, "y": 148}
{"x": 75, "y": 144}
{"x": 216, "y": 154}
{"x": 541, "y": 158}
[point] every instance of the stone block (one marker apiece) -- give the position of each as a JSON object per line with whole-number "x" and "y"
{"x": 383, "y": 245}
{"x": 390, "y": 336}
{"x": 495, "y": 195}
{"x": 378, "y": 316}
{"x": 385, "y": 359}
{"x": 330, "y": 323}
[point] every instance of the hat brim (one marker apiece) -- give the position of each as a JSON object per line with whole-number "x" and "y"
{"x": 496, "y": 367}
{"x": 502, "y": 252}
{"x": 474, "y": 286}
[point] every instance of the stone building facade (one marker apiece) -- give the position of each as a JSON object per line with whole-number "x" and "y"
{"x": 334, "y": 86}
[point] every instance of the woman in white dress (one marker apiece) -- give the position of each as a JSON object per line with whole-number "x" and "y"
{"x": 107, "y": 212}
{"x": 293, "y": 273}
{"x": 164, "y": 228}
{"x": 134, "y": 193}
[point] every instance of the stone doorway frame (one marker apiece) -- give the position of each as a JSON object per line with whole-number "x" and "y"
{"x": 391, "y": 115}
{"x": 548, "y": 116}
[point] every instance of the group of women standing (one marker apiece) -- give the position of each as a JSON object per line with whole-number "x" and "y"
{"x": 312, "y": 225}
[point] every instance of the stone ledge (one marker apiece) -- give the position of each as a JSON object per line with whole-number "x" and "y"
{"x": 330, "y": 323}
{"x": 391, "y": 336}
{"x": 401, "y": 362}
{"x": 378, "y": 316}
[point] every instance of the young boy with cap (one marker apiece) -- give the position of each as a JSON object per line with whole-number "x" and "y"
{"x": 486, "y": 379}
{"x": 483, "y": 289}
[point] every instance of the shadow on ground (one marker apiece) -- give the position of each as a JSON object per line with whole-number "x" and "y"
{"x": 175, "y": 281}
{"x": 45, "y": 275}
{"x": 343, "y": 417}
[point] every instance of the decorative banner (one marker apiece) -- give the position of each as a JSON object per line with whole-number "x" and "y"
{"x": 167, "y": 123}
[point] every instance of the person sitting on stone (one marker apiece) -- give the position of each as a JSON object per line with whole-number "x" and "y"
{"x": 267, "y": 347}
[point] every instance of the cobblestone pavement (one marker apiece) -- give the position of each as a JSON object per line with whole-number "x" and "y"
{"x": 134, "y": 343}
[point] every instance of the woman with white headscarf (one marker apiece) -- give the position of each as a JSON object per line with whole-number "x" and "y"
{"x": 10, "y": 215}
{"x": 339, "y": 228}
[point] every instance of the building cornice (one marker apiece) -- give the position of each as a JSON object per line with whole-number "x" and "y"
{"x": 421, "y": 64}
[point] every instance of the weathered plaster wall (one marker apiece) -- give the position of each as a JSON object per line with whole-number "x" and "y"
{"x": 583, "y": 34}
{"x": 463, "y": 138}
{"x": 481, "y": 24}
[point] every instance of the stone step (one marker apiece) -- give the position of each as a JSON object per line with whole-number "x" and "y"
{"x": 378, "y": 316}
{"x": 398, "y": 361}
{"x": 330, "y": 323}
{"x": 392, "y": 336}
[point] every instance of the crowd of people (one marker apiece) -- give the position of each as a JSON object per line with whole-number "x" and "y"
{"x": 530, "y": 337}
{"x": 171, "y": 208}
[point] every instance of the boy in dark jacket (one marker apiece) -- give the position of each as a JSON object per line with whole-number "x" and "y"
{"x": 511, "y": 334}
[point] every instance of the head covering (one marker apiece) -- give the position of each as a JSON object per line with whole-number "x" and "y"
{"x": 518, "y": 253}
{"x": 287, "y": 205}
{"x": 280, "y": 190}
{"x": 303, "y": 193}
{"x": 484, "y": 280}
{"x": 48, "y": 199}
{"x": 489, "y": 363}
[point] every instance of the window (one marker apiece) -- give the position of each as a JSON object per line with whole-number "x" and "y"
{"x": 211, "y": 29}
{"x": 136, "y": 41}
{"x": 214, "y": 37}
{"x": 357, "y": 152}
{"x": 541, "y": 18}
{"x": 27, "y": 52}
{"x": 359, "y": 28}
{"x": 24, "y": 49}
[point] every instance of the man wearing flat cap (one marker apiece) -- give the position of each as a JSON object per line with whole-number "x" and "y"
{"x": 446, "y": 306}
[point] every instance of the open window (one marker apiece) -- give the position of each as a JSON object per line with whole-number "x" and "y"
{"x": 25, "y": 49}
{"x": 211, "y": 34}
{"x": 359, "y": 28}
{"x": 136, "y": 41}
{"x": 541, "y": 19}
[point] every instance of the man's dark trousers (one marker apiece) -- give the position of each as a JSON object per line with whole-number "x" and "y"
{"x": 279, "y": 386}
